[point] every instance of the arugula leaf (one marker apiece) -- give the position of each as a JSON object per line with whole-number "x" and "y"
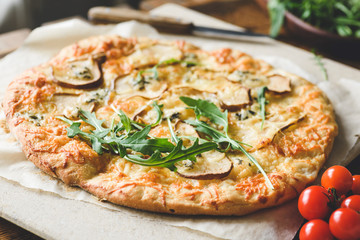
{"x": 217, "y": 136}
{"x": 91, "y": 119}
{"x": 190, "y": 153}
{"x": 169, "y": 62}
{"x": 94, "y": 138}
{"x": 154, "y": 71}
{"x": 207, "y": 109}
{"x": 262, "y": 101}
{"x": 174, "y": 138}
{"x": 140, "y": 80}
{"x": 175, "y": 61}
{"x": 125, "y": 120}
{"x": 68, "y": 121}
{"x": 74, "y": 130}
{"x": 162, "y": 152}
{"x": 96, "y": 144}
{"x": 157, "y": 108}
{"x": 139, "y": 142}
{"x": 177, "y": 154}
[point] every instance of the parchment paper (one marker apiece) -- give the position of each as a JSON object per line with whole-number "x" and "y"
{"x": 276, "y": 223}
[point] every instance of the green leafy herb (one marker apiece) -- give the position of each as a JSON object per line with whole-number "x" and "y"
{"x": 157, "y": 108}
{"x": 94, "y": 136}
{"x": 140, "y": 142}
{"x": 215, "y": 115}
{"x": 177, "y": 154}
{"x": 125, "y": 120}
{"x": 175, "y": 61}
{"x": 277, "y": 14}
{"x": 128, "y": 135}
{"x": 262, "y": 101}
{"x": 207, "y": 109}
{"x": 319, "y": 62}
{"x": 174, "y": 138}
{"x": 140, "y": 80}
{"x": 337, "y": 16}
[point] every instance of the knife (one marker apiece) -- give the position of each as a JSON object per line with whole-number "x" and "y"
{"x": 169, "y": 25}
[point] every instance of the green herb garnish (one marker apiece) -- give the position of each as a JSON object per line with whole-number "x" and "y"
{"x": 337, "y": 16}
{"x": 131, "y": 140}
{"x": 177, "y": 154}
{"x": 276, "y": 12}
{"x": 262, "y": 101}
{"x": 215, "y": 115}
{"x": 318, "y": 58}
{"x": 157, "y": 108}
{"x": 128, "y": 135}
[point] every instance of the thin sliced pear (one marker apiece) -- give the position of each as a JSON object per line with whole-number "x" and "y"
{"x": 210, "y": 165}
{"x": 234, "y": 98}
{"x": 279, "y": 84}
{"x": 81, "y": 73}
{"x": 70, "y": 104}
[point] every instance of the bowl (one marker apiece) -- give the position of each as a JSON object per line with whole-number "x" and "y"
{"x": 318, "y": 38}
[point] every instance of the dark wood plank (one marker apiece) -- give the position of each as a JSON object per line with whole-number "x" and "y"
{"x": 10, "y": 231}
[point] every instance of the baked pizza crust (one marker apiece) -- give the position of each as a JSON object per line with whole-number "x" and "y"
{"x": 297, "y": 137}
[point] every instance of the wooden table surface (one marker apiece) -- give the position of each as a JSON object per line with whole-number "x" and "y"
{"x": 244, "y": 13}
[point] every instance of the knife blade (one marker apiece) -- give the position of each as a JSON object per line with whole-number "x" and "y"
{"x": 169, "y": 25}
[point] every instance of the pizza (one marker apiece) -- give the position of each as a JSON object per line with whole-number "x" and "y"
{"x": 166, "y": 126}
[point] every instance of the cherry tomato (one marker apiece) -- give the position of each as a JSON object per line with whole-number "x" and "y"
{"x": 356, "y": 184}
{"x": 337, "y": 177}
{"x": 344, "y": 223}
{"x": 315, "y": 229}
{"x": 352, "y": 202}
{"x": 313, "y": 203}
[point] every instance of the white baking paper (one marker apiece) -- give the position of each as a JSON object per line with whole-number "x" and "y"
{"x": 276, "y": 223}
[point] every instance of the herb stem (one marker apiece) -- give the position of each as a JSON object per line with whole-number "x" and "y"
{"x": 262, "y": 101}
{"x": 318, "y": 58}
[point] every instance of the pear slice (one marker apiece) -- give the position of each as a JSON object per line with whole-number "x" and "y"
{"x": 80, "y": 73}
{"x": 209, "y": 165}
{"x": 184, "y": 129}
{"x": 70, "y": 104}
{"x": 126, "y": 87}
{"x": 279, "y": 84}
{"x": 233, "y": 98}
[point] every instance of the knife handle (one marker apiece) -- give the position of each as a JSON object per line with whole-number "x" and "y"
{"x": 116, "y": 15}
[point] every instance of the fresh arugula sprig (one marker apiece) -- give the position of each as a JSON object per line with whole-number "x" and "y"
{"x": 157, "y": 108}
{"x": 179, "y": 153}
{"x": 101, "y": 139}
{"x": 127, "y": 135}
{"x": 215, "y": 115}
{"x": 262, "y": 101}
{"x": 319, "y": 61}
